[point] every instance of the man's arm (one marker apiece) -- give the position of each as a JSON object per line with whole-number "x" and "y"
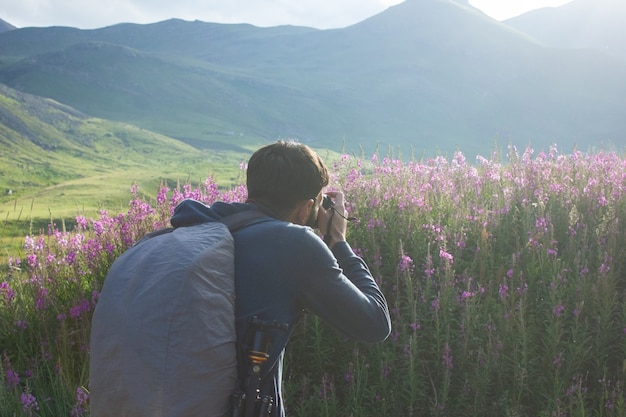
{"x": 339, "y": 288}
{"x": 377, "y": 327}
{"x": 362, "y": 307}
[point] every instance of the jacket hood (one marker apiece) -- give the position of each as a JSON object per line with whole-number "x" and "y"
{"x": 190, "y": 212}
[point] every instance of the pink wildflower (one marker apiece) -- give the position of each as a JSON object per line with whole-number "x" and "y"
{"x": 445, "y": 255}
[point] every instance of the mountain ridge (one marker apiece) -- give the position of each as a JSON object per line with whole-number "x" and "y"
{"x": 6, "y": 26}
{"x": 579, "y": 24}
{"x": 421, "y": 72}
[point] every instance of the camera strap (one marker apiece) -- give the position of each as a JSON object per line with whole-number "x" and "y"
{"x": 328, "y": 225}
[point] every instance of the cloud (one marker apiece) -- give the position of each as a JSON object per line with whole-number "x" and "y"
{"x": 76, "y": 13}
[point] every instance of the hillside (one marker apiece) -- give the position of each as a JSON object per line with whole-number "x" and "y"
{"x": 595, "y": 24}
{"x": 428, "y": 76}
{"x": 54, "y": 158}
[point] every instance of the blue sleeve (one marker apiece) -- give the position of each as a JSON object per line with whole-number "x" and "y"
{"x": 338, "y": 287}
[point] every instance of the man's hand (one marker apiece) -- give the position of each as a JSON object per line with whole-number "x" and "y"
{"x": 338, "y": 222}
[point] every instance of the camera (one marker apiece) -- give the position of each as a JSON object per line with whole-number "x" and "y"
{"x": 327, "y": 203}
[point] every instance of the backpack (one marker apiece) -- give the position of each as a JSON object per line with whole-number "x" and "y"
{"x": 163, "y": 340}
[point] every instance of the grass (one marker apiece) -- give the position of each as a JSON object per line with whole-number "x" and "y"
{"x": 504, "y": 280}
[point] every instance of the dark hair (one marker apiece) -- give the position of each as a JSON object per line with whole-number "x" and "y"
{"x": 284, "y": 173}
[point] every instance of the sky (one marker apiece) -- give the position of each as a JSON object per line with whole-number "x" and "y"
{"x": 321, "y": 14}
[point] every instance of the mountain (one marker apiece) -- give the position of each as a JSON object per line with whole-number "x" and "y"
{"x": 426, "y": 75}
{"x": 579, "y": 24}
{"x": 5, "y": 26}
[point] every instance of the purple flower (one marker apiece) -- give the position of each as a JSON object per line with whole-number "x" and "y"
{"x": 98, "y": 227}
{"x": 6, "y": 292}
{"x": 162, "y": 195}
{"x": 445, "y": 255}
{"x": 82, "y": 222}
{"x": 503, "y": 291}
{"x": 31, "y": 259}
{"x": 466, "y": 294}
{"x": 406, "y": 265}
{"x": 558, "y": 310}
{"x": 29, "y": 403}
{"x": 12, "y": 379}
{"x": 110, "y": 247}
{"x": 82, "y": 397}
{"x": 70, "y": 258}
{"x": 82, "y": 307}
{"x": 42, "y": 299}
{"x": 541, "y": 225}
{"x": 604, "y": 269}
{"x": 29, "y": 243}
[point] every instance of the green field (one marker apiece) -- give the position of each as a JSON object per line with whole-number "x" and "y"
{"x": 504, "y": 282}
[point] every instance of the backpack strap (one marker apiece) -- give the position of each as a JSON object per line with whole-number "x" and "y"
{"x": 234, "y": 222}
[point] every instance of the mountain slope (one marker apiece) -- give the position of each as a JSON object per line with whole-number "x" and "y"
{"x": 47, "y": 148}
{"x": 434, "y": 75}
{"x": 444, "y": 71}
{"x": 580, "y": 24}
{"x": 5, "y": 26}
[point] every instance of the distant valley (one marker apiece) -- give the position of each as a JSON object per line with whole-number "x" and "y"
{"x": 57, "y": 162}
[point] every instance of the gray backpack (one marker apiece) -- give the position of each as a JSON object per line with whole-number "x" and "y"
{"x": 163, "y": 331}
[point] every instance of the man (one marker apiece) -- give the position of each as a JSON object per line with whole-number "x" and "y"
{"x": 282, "y": 267}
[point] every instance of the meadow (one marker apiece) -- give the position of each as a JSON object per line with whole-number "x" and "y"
{"x": 504, "y": 275}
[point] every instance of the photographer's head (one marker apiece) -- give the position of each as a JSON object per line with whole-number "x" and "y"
{"x": 288, "y": 178}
